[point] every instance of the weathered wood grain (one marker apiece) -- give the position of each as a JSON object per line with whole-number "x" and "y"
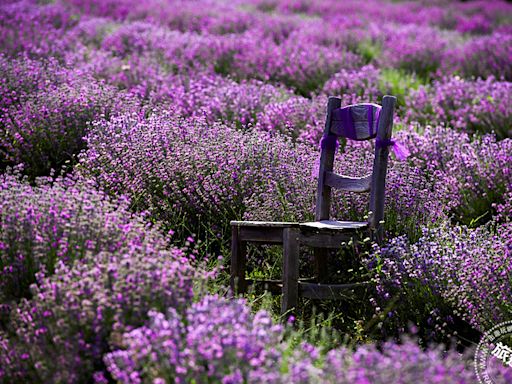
{"x": 347, "y": 183}
{"x": 238, "y": 262}
{"x": 323, "y": 239}
{"x": 380, "y": 165}
{"x": 323, "y": 192}
{"x": 290, "y": 269}
{"x": 264, "y": 224}
{"x": 271, "y": 235}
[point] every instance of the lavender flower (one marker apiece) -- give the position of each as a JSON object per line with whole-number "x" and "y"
{"x": 205, "y": 171}
{"x": 469, "y": 105}
{"x": 43, "y": 121}
{"x": 58, "y": 222}
{"x": 469, "y": 269}
{"x": 78, "y": 314}
{"x": 218, "y": 340}
{"x": 484, "y": 56}
{"x": 35, "y": 30}
{"x": 471, "y": 174}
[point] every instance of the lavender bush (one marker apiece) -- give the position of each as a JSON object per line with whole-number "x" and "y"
{"x": 297, "y": 117}
{"x": 474, "y": 106}
{"x": 139, "y": 45}
{"x": 483, "y": 57}
{"x": 205, "y": 171}
{"x": 58, "y": 222}
{"x": 209, "y": 170}
{"x": 29, "y": 28}
{"x": 416, "y": 49}
{"x": 461, "y": 16}
{"x": 409, "y": 200}
{"x": 305, "y": 67}
{"x": 216, "y": 98}
{"x": 200, "y": 17}
{"x": 469, "y": 268}
{"x": 247, "y": 348}
{"x": 217, "y": 340}
{"x": 473, "y": 172}
{"x": 44, "y": 120}
{"x": 401, "y": 363}
{"x": 78, "y": 314}
{"x": 354, "y": 86}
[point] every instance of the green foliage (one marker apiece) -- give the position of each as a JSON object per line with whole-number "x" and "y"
{"x": 369, "y": 50}
{"x": 399, "y": 83}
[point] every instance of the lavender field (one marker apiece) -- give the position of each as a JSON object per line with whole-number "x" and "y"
{"x": 132, "y": 132}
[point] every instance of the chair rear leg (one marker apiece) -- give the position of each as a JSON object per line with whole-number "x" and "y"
{"x": 321, "y": 256}
{"x": 290, "y": 269}
{"x": 238, "y": 262}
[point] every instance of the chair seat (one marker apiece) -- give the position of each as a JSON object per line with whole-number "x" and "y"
{"x": 265, "y": 232}
{"x": 335, "y": 225}
{"x": 278, "y": 224}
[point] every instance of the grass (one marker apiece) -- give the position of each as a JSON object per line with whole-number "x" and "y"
{"x": 399, "y": 83}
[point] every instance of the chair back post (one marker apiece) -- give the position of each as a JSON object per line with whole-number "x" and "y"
{"x": 380, "y": 165}
{"x": 323, "y": 193}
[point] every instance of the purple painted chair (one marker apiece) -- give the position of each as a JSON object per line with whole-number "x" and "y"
{"x": 357, "y": 122}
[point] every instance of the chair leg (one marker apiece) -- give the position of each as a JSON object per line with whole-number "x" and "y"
{"x": 321, "y": 256}
{"x": 238, "y": 262}
{"x": 290, "y": 269}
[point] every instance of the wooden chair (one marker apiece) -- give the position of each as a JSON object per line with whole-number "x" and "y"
{"x": 356, "y": 122}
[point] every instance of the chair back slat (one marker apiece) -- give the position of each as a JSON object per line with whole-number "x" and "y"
{"x": 356, "y": 122}
{"x": 347, "y": 183}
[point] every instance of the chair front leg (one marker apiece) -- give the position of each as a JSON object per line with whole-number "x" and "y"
{"x": 290, "y": 269}
{"x": 238, "y": 262}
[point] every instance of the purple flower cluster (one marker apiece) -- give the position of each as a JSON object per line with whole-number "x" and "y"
{"x": 45, "y": 111}
{"x": 303, "y": 67}
{"x": 132, "y": 48}
{"x": 57, "y": 222}
{"x": 480, "y": 17}
{"x": 484, "y": 56}
{"x": 472, "y": 17}
{"x": 474, "y": 173}
{"x": 297, "y": 117}
{"x": 414, "y": 196}
{"x": 470, "y": 105}
{"x": 205, "y": 17}
{"x": 216, "y": 340}
{"x": 197, "y": 113}
{"x": 412, "y": 48}
{"x": 397, "y": 363}
{"x": 79, "y": 313}
{"x": 219, "y": 340}
{"x": 469, "y": 268}
{"x": 34, "y": 30}
{"x": 355, "y": 86}
{"x": 176, "y": 167}
{"x": 172, "y": 50}
{"x": 218, "y": 99}
{"x": 211, "y": 171}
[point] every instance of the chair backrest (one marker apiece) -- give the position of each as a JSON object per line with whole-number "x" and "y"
{"x": 356, "y": 122}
